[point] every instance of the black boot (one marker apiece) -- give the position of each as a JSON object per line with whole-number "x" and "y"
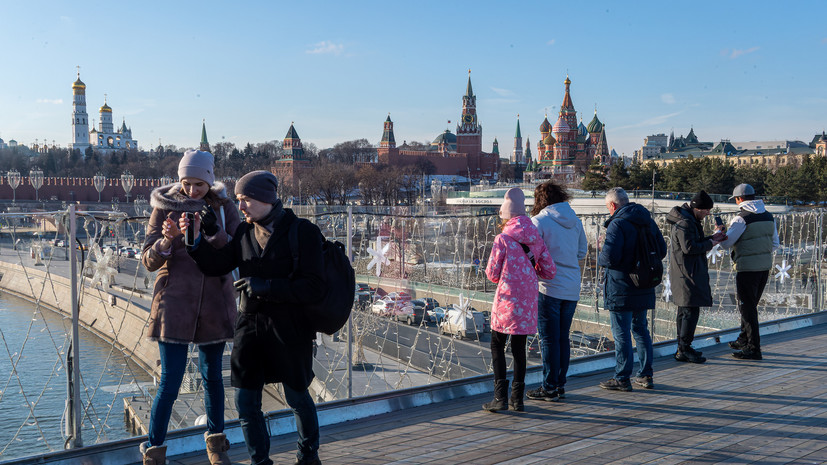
{"x": 500, "y": 401}
{"x": 517, "y": 390}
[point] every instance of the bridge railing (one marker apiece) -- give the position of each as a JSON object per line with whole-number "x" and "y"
{"x": 437, "y": 254}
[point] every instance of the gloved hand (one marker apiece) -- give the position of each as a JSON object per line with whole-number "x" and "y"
{"x": 253, "y": 286}
{"x": 209, "y": 221}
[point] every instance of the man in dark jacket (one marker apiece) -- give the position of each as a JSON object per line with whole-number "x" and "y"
{"x": 273, "y": 340}
{"x": 626, "y": 303}
{"x": 688, "y": 270}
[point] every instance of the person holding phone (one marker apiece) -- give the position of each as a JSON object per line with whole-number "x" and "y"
{"x": 187, "y": 306}
{"x": 688, "y": 269}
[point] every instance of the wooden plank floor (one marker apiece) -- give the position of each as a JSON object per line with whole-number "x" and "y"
{"x": 729, "y": 411}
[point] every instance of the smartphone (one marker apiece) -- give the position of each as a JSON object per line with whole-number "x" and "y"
{"x": 189, "y": 237}
{"x": 719, "y": 222}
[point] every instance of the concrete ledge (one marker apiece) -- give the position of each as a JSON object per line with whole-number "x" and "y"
{"x": 280, "y": 422}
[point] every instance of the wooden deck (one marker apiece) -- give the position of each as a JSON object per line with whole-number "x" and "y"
{"x": 772, "y": 411}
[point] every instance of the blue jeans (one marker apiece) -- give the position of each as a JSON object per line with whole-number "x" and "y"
{"x": 256, "y": 433}
{"x": 173, "y": 364}
{"x": 554, "y": 318}
{"x": 634, "y": 322}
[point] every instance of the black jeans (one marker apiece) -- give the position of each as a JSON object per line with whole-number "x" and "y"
{"x": 498, "y": 341}
{"x": 749, "y": 286}
{"x": 687, "y": 321}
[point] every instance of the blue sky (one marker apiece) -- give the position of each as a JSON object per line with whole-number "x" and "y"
{"x": 741, "y": 70}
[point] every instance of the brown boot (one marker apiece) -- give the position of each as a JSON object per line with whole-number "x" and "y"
{"x": 153, "y": 455}
{"x": 217, "y": 447}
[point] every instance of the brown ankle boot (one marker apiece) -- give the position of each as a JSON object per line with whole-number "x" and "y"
{"x": 154, "y": 455}
{"x": 217, "y": 447}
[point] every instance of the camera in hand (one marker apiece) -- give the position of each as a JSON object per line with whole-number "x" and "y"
{"x": 189, "y": 237}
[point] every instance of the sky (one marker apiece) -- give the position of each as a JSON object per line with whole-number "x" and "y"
{"x": 737, "y": 70}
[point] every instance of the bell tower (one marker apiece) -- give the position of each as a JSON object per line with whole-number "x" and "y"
{"x": 80, "y": 119}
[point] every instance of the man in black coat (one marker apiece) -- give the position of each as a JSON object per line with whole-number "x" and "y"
{"x": 688, "y": 270}
{"x": 273, "y": 340}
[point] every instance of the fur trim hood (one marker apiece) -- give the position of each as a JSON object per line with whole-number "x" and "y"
{"x": 171, "y": 198}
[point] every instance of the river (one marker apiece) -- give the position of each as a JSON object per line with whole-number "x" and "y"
{"x": 32, "y": 395}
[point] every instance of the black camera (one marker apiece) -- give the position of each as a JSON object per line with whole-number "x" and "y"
{"x": 189, "y": 237}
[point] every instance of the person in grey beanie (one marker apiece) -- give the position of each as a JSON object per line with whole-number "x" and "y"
{"x": 688, "y": 270}
{"x": 188, "y": 307}
{"x": 271, "y": 312}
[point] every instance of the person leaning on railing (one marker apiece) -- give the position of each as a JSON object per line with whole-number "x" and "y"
{"x": 187, "y": 306}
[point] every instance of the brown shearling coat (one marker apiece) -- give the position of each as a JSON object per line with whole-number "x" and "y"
{"x": 186, "y": 305}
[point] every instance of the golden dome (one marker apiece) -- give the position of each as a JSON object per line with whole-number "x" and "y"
{"x": 78, "y": 85}
{"x": 106, "y": 108}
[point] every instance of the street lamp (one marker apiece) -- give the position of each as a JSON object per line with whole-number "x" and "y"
{"x": 36, "y": 180}
{"x": 141, "y": 206}
{"x": 14, "y": 182}
{"x": 127, "y": 182}
{"x": 99, "y": 180}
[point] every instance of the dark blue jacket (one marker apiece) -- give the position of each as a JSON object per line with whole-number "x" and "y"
{"x": 617, "y": 255}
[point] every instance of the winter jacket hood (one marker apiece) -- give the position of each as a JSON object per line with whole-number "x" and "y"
{"x": 172, "y": 198}
{"x": 566, "y": 241}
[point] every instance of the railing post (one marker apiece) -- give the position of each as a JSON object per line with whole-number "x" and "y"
{"x": 74, "y": 419}
{"x": 349, "y": 242}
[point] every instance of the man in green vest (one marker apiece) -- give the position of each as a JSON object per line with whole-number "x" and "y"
{"x": 752, "y": 236}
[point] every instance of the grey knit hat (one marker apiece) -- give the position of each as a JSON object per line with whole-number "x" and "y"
{"x": 197, "y": 164}
{"x": 258, "y": 185}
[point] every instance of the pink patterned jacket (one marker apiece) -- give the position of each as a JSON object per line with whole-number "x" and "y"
{"x": 515, "y": 302}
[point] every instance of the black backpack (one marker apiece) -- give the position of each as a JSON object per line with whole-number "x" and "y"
{"x": 330, "y": 313}
{"x": 647, "y": 267}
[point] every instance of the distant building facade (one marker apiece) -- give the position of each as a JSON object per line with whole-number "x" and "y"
{"x": 293, "y": 164}
{"x": 458, "y": 154}
{"x": 771, "y": 154}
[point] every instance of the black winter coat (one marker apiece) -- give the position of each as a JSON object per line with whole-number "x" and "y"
{"x": 617, "y": 256}
{"x": 273, "y": 340}
{"x": 688, "y": 268}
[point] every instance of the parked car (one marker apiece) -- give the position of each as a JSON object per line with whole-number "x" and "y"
{"x": 361, "y": 298}
{"x": 428, "y": 302}
{"x": 462, "y": 324}
{"x": 415, "y": 317}
{"x": 391, "y": 308}
{"x": 436, "y": 315}
{"x": 595, "y": 343}
{"x": 533, "y": 347}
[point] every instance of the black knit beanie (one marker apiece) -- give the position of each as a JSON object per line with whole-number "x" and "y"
{"x": 702, "y": 201}
{"x": 258, "y": 185}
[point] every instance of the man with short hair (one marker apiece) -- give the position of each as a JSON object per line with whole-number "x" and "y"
{"x": 688, "y": 270}
{"x": 753, "y": 237}
{"x": 626, "y": 303}
{"x": 274, "y": 339}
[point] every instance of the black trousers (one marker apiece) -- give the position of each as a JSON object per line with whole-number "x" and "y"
{"x": 498, "y": 341}
{"x": 749, "y": 285}
{"x": 687, "y": 321}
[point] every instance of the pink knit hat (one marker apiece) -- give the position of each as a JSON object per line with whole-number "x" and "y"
{"x": 514, "y": 204}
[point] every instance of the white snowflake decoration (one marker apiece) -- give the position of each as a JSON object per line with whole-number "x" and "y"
{"x": 782, "y": 271}
{"x": 667, "y": 288}
{"x": 464, "y": 305}
{"x": 379, "y": 256}
{"x": 102, "y": 270}
{"x": 715, "y": 253}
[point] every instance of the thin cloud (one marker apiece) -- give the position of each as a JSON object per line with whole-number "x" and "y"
{"x": 326, "y": 47}
{"x": 56, "y": 101}
{"x": 551, "y": 42}
{"x": 667, "y": 98}
{"x": 503, "y": 92}
{"x": 737, "y": 52}
{"x": 655, "y": 121}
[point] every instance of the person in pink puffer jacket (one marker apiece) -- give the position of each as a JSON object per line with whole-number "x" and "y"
{"x": 514, "y": 312}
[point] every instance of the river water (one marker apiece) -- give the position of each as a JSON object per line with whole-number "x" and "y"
{"x": 33, "y": 345}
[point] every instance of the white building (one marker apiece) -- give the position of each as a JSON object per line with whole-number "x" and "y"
{"x": 104, "y": 139}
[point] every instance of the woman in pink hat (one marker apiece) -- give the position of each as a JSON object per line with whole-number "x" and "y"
{"x": 518, "y": 256}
